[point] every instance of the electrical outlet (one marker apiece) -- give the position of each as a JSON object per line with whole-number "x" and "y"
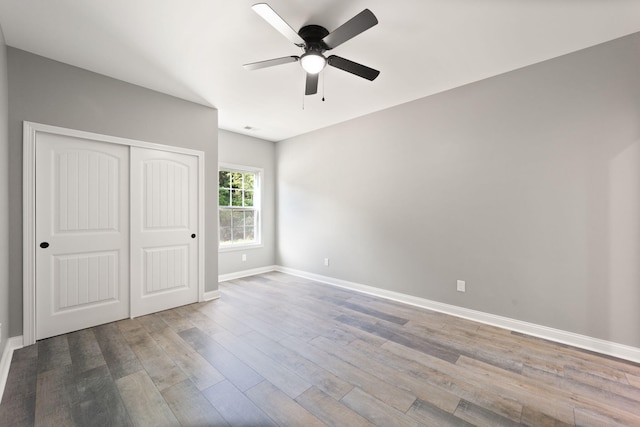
{"x": 326, "y": 262}
{"x": 461, "y": 286}
{"x": 244, "y": 257}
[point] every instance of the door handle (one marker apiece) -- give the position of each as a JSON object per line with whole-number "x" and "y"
{"x": 44, "y": 245}
{"x": 193, "y": 236}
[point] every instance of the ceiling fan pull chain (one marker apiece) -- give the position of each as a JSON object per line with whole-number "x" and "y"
{"x": 322, "y": 85}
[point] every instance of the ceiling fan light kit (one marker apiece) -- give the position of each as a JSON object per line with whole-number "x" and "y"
{"x": 315, "y": 40}
{"x": 313, "y": 62}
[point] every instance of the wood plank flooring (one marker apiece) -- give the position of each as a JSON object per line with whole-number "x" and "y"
{"x": 277, "y": 350}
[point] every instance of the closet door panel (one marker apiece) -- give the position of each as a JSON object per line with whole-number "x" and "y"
{"x": 164, "y": 230}
{"x": 82, "y": 233}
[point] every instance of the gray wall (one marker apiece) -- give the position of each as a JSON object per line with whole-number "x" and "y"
{"x": 4, "y": 197}
{"x": 247, "y": 151}
{"x": 526, "y": 185}
{"x": 46, "y": 91}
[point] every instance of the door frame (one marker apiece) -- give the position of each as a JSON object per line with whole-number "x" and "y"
{"x": 29, "y": 137}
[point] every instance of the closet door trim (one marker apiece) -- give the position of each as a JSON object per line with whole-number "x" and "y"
{"x": 30, "y": 134}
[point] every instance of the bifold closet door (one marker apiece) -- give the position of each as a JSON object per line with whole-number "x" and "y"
{"x": 82, "y": 233}
{"x": 164, "y": 230}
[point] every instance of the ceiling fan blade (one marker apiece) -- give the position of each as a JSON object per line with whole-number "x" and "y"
{"x": 353, "y": 67}
{"x": 356, "y": 25}
{"x": 312, "y": 84}
{"x": 270, "y": 63}
{"x": 269, "y": 15}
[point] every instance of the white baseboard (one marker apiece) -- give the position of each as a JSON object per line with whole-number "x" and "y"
{"x": 211, "y": 295}
{"x": 246, "y": 273}
{"x": 576, "y": 340}
{"x": 13, "y": 343}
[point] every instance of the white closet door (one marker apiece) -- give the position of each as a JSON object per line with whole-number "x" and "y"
{"x": 164, "y": 230}
{"x": 82, "y": 233}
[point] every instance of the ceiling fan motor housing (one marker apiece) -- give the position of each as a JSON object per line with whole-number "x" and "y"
{"x": 312, "y": 36}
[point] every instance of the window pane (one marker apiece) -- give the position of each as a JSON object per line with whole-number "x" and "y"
{"x": 225, "y": 234}
{"x": 250, "y": 234}
{"x": 224, "y": 178}
{"x": 249, "y": 218}
{"x": 248, "y": 198}
{"x": 236, "y": 179}
{"x": 224, "y": 197}
{"x": 225, "y": 218}
{"x": 238, "y": 234}
{"x": 238, "y": 218}
{"x": 249, "y": 179}
{"x": 236, "y": 198}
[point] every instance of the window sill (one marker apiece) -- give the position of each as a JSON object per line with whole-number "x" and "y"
{"x": 235, "y": 248}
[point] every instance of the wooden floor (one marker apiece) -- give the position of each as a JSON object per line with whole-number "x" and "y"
{"x": 280, "y": 350}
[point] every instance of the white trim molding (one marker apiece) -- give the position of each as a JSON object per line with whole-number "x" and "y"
{"x": 576, "y": 340}
{"x": 13, "y": 343}
{"x": 246, "y": 273}
{"x": 211, "y": 295}
{"x": 29, "y": 234}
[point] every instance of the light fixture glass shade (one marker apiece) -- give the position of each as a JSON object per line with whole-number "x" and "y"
{"x": 313, "y": 62}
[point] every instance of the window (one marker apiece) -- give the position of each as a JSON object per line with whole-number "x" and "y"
{"x": 239, "y": 206}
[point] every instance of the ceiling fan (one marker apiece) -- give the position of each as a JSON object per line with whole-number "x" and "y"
{"x": 315, "y": 40}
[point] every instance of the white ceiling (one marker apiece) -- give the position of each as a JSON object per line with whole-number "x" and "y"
{"x": 194, "y": 49}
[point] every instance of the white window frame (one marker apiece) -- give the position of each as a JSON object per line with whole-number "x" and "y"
{"x": 257, "y": 206}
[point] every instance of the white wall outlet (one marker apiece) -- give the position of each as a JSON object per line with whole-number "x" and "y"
{"x": 461, "y": 286}
{"x": 244, "y": 257}
{"x": 326, "y": 262}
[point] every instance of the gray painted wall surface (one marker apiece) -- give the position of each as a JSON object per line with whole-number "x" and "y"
{"x": 247, "y": 151}
{"x": 50, "y": 92}
{"x": 526, "y": 185}
{"x": 4, "y": 197}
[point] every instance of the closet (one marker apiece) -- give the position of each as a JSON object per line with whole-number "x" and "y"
{"x": 112, "y": 230}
